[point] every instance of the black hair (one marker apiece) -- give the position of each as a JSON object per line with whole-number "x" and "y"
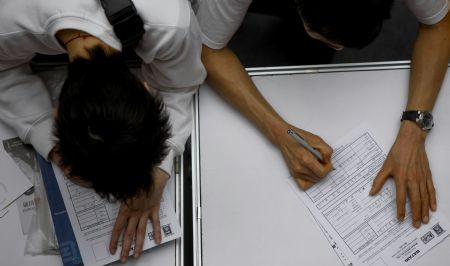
{"x": 352, "y": 23}
{"x": 111, "y": 132}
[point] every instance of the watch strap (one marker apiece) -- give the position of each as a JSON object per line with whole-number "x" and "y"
{"x": 410, "y": 115}
{"x": 423, "y": 119}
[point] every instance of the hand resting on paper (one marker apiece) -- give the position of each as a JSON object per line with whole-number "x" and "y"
{"x": 407, "y": 163}
{"x": 133, "y": 216}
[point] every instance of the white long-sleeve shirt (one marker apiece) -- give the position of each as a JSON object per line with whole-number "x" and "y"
{"x": 170, "y": 50}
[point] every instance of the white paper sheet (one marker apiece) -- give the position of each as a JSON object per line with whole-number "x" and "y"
{"x": 362, "y": 229}
{"x": 93, "y": 218}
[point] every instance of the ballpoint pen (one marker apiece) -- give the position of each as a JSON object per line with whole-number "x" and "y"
{"x": 305, "y": 144}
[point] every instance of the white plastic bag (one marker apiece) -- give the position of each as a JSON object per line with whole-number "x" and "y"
{"x": 33, "y": 205}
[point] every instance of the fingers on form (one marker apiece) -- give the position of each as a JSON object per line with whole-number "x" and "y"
{"x": 416, "y": 201}
{"x": 322, "y": 169}
{"x": 307, "y": 169}
{"x": 297, "y": 159}
{"x": 299, "y": 169}
{"x": 319, "y": 169}
{"x": 119, "y": 225}
{"x": 423, "y": 189}
{"x": 429, "y": 184}
{"x": 303, "y": 184}
{"x": 154, "y": 217}
{"x": 380, "y": 179}
{"x": 432, "y": 193}
{"x": 401, "y": 200}
{"x": 140, "y": 236}
{"x": 309, "y": 166}
{"x": 128, "y": 238}
{"x": 425, "y": 203}
{"x": 326, "y": 152}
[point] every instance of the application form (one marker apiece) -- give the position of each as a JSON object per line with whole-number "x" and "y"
{"x": 92, "y": 219}
{"x": 362, "y": 229}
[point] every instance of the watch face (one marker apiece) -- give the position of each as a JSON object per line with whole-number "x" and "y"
{"x": 427, "y": 120}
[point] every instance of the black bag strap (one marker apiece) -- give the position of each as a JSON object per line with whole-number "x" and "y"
{"x": 127, "y": 24}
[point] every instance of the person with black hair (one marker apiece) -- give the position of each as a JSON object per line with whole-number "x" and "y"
{"x": 110, "y": 130}
{"x": 339, "y": 24}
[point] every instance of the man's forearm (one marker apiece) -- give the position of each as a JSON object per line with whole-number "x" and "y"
{"x": 229, "y": 78}
{"x": 429, "y": 64}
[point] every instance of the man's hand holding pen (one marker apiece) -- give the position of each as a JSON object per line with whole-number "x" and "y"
{"x": 305, "y": 165}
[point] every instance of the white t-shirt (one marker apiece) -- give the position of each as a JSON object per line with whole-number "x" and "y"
{"x": 219, "y": 19}
{"x": 170, "y": 50}
{"x": 428, "y": 12}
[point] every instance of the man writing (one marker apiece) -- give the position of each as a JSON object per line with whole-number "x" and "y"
{"x": 340, "y": 24}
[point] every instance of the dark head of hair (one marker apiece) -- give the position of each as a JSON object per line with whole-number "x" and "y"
{"x": 352, "y": 23}
{"x": 110, "y": 130}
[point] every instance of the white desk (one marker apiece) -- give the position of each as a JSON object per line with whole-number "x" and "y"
{"x": 12, "y": 241}
{"x": 248, "y": 214}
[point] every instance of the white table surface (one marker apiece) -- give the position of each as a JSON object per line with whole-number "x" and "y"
{"x": 250, "y": 215}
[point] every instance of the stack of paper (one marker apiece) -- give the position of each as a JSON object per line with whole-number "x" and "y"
{"x": 83, "y": 221}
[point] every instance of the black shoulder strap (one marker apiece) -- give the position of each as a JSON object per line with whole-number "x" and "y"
{"x": 126, "y": 22}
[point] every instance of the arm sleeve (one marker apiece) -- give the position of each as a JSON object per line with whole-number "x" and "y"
{"x": 172, "y": 65}
{"x": 172, "y": 55}
{"x": 428, "y": 12}
{"x": 25, "y": 106}
{"x": 179, "y": 106}
{"x": 219, "y": 20}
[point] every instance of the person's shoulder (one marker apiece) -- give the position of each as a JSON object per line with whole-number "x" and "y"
{"x": 429, "y": 12}
{"x": 170, "y": 27}
{"x": 164, "y": 13}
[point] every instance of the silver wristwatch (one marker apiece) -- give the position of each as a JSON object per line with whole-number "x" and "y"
{"x": 423, "y": 119}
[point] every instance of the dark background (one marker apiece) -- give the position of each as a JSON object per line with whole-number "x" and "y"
{"x": 274, "y": 36}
